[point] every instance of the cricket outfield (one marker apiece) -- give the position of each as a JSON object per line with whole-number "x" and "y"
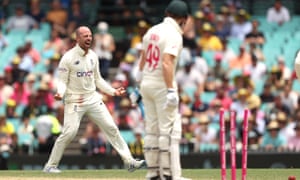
{"x": 120, "y": 174}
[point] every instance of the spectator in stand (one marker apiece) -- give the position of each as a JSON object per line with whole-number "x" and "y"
{"x": 6, "y": 90}
{"x": 206, "y": 6}
{"x": 12, "y": 72}
{"x": 233, "y": 7}
{"x": 44, "y": 97}
{"x": 186, "y": 144}
{"x": 208, "y": 41}
{"x": 76, "y": 16}
{"x": 26, "y": 137}
{"x": 205, "y": 135}
{"x": 32, "y": 52}
{"x": 226, "y": 84}
{"x": 24, "y": 63}
{"x": 213, "y": 112}
{"x": 294, "y": 142}
{"x": 104, "y": 46}
{"x": 218, "y": 70}
{"x": 267, "y": 95}
{"x": 11, "y": 110}
{"x": 96, "y": 143}
{"x": 136, "y": 147}
{"x": 54, "y": 45}
{"x": 222, "y": 97}
{"x": 255, "y": 49}
{"x": 57, "y": 16}
{"x": 272, "y": 139}
{"x": 253, "y": 131}
{"x": 32, "y": 110}
{"x": 47, "y": 129}
{"x": 255, "y": 36}
{"x": 199, "y": 20}
{"x": 30, "y": 81}
{"x": 36, "y": 12}
{"x": 278, "y": 13}
{"x": 277, "y": 106}
{"x": 200, "y": 63}
{"x": 242, "y": 60}
{"x": 20, "y": 20}
{"x": 284, "y": 124}
{"x": 240, "y": 104}
{"x": 227, "y": 52}
{"x": 198, "y": 106}
{"x": 70, "y": 41}
{"x": 286, "y": 72}
{"x": 253, "y": 141}
{"x": 184, "y": 103}
{"x": 21, "y": 94}
{"x": 188, "y": 78}
{"x": 123, "y": 119}
{"x": 5, "y": 151}
{"x": 258, "y": 116}
{"x": 141, "y": 29}
{"x": 289, "y": 97}
{"x": 241, "y": 27}
{"x": 6, "y": 127}
{"x": 224, "y": 22}
{"x": 257, "y": 69}
{"x": 275, "y": 78}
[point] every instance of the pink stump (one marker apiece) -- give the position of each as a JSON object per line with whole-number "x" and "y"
{"x": 222, "y": 145}
{"x": 245, "y": 144}
{"x": 233, "y": 144}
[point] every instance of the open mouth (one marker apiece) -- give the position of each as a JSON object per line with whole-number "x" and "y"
{"x": 87, "y": 43}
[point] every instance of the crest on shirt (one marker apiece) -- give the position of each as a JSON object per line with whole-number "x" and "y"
{"x": 77, "y": 62}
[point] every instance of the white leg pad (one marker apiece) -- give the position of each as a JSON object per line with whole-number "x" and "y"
{"x": 174, "y": 149}
{"x": 151, "y": 153}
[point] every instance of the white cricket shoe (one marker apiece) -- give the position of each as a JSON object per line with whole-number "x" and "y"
{"x": 51, "y": 170}
{"x": 136, "y": 164}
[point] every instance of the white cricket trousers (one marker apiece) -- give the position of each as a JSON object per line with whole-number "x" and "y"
{"x": 158, "y": 126}
{"x": 99, "y": 114}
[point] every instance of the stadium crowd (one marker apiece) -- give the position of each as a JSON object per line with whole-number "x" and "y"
{"x": 211, "y": 75}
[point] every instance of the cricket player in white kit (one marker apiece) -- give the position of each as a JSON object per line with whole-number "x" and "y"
{"x": 78, "y": 78}
{"x": 161, "y": 47}
{"x": 297, "y": 65}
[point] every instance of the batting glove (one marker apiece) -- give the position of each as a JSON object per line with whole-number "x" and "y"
{"x": 172, "y": 98}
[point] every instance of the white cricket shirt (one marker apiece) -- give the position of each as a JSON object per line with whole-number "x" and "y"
{"x": 165, "y": 37}
{"x": 79, "y": 76}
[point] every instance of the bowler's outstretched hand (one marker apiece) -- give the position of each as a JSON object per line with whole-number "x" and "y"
{"x": 120, "y": 91}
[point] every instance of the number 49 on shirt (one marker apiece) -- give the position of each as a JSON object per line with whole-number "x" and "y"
{"x": 152, "y": 56}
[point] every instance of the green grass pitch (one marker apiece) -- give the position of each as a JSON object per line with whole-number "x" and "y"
{"x": 119, "y": 174}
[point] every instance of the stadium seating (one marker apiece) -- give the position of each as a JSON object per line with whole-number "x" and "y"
{"x": 128, "y": 136}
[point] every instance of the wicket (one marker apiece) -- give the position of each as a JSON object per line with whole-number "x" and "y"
{"x": 233, "y": 144}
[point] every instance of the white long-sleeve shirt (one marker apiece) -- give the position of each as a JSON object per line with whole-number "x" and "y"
{"x": 280, "y": 16}
{"x": 78, "y": 76}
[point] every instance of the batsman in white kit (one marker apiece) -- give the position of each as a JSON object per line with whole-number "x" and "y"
{"x": 78, "y": 78}
{"x": 161, "y": 47}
